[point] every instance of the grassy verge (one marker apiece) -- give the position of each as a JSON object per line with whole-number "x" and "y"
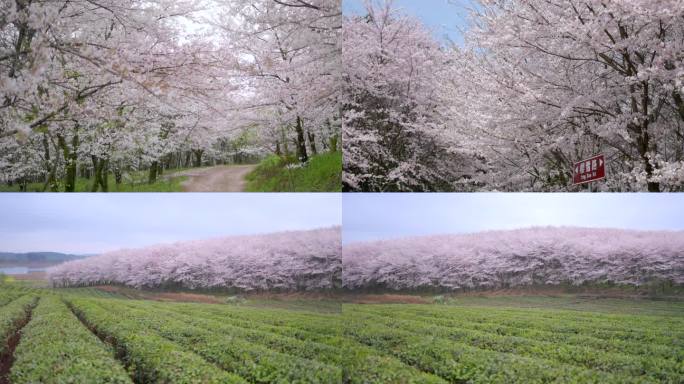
{"x": 593, "y": 303}
{"x": 136, "y": 182}
{"x": 323, "y": 173}
{"x": 310, "y": 301}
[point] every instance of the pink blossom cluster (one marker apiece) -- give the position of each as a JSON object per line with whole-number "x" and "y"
{"x": 522, "y": 257}
{"x": 292, "y": 260}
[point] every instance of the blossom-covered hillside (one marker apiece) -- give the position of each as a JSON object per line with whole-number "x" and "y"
{"x": 501, "y": 259}
{"x": 295, "y": 260}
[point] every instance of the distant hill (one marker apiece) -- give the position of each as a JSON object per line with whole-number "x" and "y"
{"x": 32, "y": 257}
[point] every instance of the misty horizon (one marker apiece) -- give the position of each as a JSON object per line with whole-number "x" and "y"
{"x": 371, "y": 217}
{"x": 171, "y": 243}
{"x": 95, "y": 224}
{"x": 494, "y": 231}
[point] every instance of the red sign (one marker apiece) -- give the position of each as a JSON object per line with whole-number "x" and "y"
{"x": 589, "y": 170}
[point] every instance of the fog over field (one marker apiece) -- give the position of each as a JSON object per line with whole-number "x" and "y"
{"x": 97, "y": 223}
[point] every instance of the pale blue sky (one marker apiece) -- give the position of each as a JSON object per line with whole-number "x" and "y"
{"x": 379, "y": 216}
{"x": 93, "y": 223}
{"x": 446, "y": 18}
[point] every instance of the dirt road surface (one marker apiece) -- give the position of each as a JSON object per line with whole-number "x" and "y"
{"x": 224, "y": 178}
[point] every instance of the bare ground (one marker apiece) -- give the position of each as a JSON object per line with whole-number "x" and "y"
{"x": 283, "y": 297}
{"x": 31, "y": 276}
{"x": 373, "y": 298}
{"x": 223, "y": 178}
{"x": 387, "y": 299}
{"x": 7, "y": 355}
{"x": 160, "y": 296}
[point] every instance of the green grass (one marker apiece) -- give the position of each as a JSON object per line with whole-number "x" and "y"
{"x": 323, "y": 306}
{"x": 37, "y": 283}
{"x": 581, "y": 303}
{"x": 135, "y": 182}
{"x": 87, "y": 335}
{"x": 323, "y": 173}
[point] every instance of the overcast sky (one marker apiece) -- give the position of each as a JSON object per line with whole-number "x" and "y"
{"x": 379, "y": 216}
{"x": 94, "y": 223}
{"x": 446, "y": 18}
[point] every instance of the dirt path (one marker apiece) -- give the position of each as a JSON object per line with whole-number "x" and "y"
{"x": 224, "y": 178}
{"x": 7, "y": 355}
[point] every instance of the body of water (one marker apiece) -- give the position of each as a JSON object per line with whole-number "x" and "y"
{"x": 20, "y": 270}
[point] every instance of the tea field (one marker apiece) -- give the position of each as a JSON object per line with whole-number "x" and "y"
{"x": 93, "y": 336}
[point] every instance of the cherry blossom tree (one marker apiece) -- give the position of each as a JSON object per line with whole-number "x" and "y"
{"x": 514, "y": 258}
{"x": 537, "y": 87}
{"x": 74, "y": 71}
{"x": 549, "y": 84}
{"x": 395, "y": 135}
{"x": 288, "y": 56}
{"x": 285, "y": 261}
{"x": 93, "y": 87}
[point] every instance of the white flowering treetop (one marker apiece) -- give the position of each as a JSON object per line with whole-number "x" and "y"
{"x": 537, "y": 87}
{"x": 395, "y": 136}
{"x": 106, "y": 85}
{"x": 289, "y": 56}
{"x": 286, "y": 261}
{"x": 503, "y": 259}
{"x": 555, "y": 82}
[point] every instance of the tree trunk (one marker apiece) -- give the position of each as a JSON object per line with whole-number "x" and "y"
{"x": 640, "y": 131}
{"x": 70, "y": 158}
{"x": 104, "y": 175}
{"x": 101, "y": 173}
{"x": 643, "y": 141}
{"x": 166, "y": 163}
{"x": 97, "y": 170}
{"x": 679, "y": 103}
{"x": 51, "y": 179}
{"x": 198, "y": 157}
{"x": 277, "y": 150}
{"x": 653, "y": 186}
{"x": 333, "y": 143}
{"x": 117, "y": 174}
{"x": 286, "y": 148}
{"x": 312, "y": 143}
{"x": 301, "y": 144}
{"x": 152, "y": 177}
